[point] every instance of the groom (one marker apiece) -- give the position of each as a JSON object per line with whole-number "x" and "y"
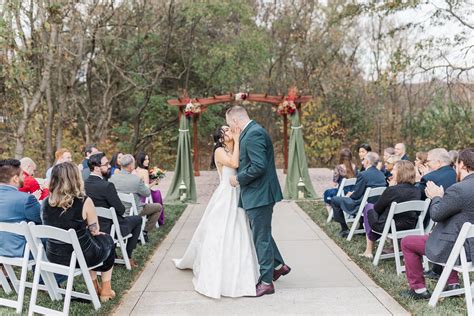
{"x": 260, "y": 190}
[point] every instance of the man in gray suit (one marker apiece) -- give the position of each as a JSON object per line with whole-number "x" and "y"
{"x": 450, "y": 210}
{"x": 126, "y": 182}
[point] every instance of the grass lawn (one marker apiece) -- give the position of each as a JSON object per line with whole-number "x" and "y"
{"x": 384, "y": 274}
{"x": 122, "y": 279}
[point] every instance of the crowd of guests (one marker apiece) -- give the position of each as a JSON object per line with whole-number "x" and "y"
{"x": 67, "y": 199}
{"x": 447, "y": 178}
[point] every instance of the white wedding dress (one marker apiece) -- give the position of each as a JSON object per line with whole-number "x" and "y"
{"x": 222, "y": 253}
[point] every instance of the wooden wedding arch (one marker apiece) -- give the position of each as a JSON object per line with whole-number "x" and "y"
{"x": 198, "y": 105}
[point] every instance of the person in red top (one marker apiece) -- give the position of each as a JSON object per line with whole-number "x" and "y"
{"x": 30, "y": 184}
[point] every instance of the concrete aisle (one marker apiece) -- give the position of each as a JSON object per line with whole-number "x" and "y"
{"x": 323, "y": 280}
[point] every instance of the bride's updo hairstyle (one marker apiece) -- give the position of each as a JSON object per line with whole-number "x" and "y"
{"x": 218, "y": 143}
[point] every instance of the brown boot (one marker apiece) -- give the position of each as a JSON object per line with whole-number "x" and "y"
{"x": 96, "y": 286}
{"x": 106, "y": 293}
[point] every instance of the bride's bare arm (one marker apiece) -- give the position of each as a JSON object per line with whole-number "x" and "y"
{"x": 224, "y": 159}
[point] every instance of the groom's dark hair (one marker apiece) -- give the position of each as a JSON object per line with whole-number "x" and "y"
{"x": 237, "y": 110}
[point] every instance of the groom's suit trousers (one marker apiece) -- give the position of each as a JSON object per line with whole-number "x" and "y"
{"x": 268, "y": 254}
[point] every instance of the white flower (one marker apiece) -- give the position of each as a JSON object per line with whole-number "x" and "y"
{"x": 240, "y": 96}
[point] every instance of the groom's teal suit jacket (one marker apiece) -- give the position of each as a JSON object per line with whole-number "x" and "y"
{"x": 257, "y": 176}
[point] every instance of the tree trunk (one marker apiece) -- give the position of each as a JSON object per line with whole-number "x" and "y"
{"x": 30, "y": 106}
{"x": 49, "y": 129}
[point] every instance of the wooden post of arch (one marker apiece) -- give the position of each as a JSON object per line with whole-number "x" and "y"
{"x": 285, "y": 143}
{"x": 196, "y": 145}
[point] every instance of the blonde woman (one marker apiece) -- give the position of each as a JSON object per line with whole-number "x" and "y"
{"x": 67, "y": 207}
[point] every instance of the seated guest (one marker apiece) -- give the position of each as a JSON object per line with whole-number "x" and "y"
{"x": 62, "y": 155}
{"x": 15, "y": 207}
{"x": 115, "y": 166}
{"x": 421, "y": 161}
{"x": 370, "y": 178}
{"x": 345, "y": 169}
{"x": 89, "y": 150}
{"x": 401, "y": 151}
{"x": 454, "y": 154}
{"x": 439, "y": 170}
{"x": 68, "y": 207}
{"x": 30, "y": 185}
{"x": 126, "y": 182}
{"x": 387, "y": 152}
{"x": 402, "y": 189}
{"x": 104, "y": 194}
{"x": 389, "y": 163}
{"x": 363, "y": 150}
{"x": 450, "y": 209}
{"x": 142, "y": 170}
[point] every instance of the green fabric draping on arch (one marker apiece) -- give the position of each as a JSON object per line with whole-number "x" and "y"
{"x": 297, "y": 164}
{"x": 184, "y": 166}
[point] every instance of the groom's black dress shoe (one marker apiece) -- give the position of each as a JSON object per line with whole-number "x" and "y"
{"x": 284, "y": 270}
{"x": 263, "y": 289}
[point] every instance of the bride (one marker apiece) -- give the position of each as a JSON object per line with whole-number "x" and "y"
{"x": 221, "y": 253}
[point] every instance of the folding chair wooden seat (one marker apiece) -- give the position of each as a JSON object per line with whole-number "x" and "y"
{"x": 390, "y": 231}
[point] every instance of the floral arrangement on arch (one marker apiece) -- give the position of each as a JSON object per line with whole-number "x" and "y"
{"x": 157, "y": 173}
{"x": 241, "y": 96}
{"x": 192, "y": 108}
{"x": 288, "y": 106}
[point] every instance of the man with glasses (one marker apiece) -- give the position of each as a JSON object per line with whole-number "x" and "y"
{"x": 104, "y": 194}
{"x": 441, "y": 174}
{"x": 440, "y": 170}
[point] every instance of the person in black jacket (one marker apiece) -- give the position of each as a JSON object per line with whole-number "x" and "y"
{"x": 402, "y": 189}
{"x": 104, "y": 194}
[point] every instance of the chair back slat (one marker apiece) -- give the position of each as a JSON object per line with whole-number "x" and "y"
{"x": 14, "y": 228}
{"x": 410, "y": 206}
{"x": 350, "y": 181}
{"x": 50, "y": 232}
{"x": 371, "y": 192}
{"x": 104, "y": 212}
{"x": 126, "y": 197}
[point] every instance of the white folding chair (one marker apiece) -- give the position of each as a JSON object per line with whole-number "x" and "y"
{"x": 130, "y": 198}
{"x": 49, "y": 281}
{"x": 116, "y": 234}
{"x": 430, "y": 226}
{"x": 8, "y": 263}
{"x": 149, "y": 200}
{"x": 42, "y": 264}
{"x": 340, "y": 192}
{"x": 458, "y": 251}
{"x": 369, "y": 193}
{"x": 390, "y": 231}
